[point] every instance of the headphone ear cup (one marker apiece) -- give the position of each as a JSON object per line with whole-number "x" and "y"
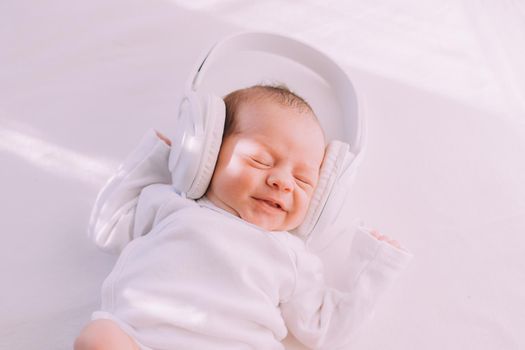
{"x": 214, "y": 116}
{"x": 336, "y": 160}
{"x": 186, "y": 148}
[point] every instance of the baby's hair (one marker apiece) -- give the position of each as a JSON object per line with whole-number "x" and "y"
{"x": 277, "y": 93}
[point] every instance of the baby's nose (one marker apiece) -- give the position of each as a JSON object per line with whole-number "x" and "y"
{"x": 280, "y": 181}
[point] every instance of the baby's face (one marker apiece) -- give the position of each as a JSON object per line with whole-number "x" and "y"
{"x": 268, "y": 169}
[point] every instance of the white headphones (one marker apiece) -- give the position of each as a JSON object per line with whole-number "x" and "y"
{"x": 200, "y": 125}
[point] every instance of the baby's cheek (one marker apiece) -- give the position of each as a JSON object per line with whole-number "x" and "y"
{"x": 245, "y": 182}
{"x": 302, "y": 202}
{"x": 307, "y": 197}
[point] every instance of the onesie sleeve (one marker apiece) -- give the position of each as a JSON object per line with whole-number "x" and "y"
{"x": 322, "y": 317}
{"x": 113, "y": 216}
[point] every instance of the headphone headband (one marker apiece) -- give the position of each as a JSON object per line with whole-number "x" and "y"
{"x": 301, "y": 53}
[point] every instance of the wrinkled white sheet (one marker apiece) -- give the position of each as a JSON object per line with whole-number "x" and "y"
{"x": 444, "y": 170}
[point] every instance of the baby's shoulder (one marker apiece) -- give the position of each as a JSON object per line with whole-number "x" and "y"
{"x": 164, "y": 200}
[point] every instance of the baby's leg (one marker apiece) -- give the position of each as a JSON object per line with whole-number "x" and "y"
{"x": 104, "y": 335}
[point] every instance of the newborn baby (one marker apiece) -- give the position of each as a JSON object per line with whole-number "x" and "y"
{"x": 223, "y": 272}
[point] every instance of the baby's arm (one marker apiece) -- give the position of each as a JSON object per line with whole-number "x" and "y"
{"x": 113, "y": 215}
{"x": 325, "y": 318}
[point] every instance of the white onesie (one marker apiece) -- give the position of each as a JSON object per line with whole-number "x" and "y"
{"x": 193, "y": 276}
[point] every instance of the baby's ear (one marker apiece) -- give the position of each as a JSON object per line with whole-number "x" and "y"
{"x": 325, "y": 150}
{"x": 325, "y": 157}
{"x": 323, "y": 162}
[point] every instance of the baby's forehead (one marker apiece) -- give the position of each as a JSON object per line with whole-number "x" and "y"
{"x": 292, "y": 144}
{"x": 307, "y": 115}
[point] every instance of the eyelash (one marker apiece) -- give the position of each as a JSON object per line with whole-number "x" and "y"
{"x": 304, "y": 182}
{"x": 268, "y": 165}
{"x": 259, "y": 162}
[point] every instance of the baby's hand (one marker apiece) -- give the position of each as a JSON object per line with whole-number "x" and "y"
{"x": 163, "y": 138}
{"x": 381, "y": 237}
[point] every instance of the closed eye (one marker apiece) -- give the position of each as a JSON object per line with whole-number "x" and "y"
{"x": 260, "y": 162}
{"x": 306, "y": 182}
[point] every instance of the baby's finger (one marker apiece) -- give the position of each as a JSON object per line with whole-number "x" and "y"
{"x": 375, "y": 234}
{"x": 380, "y": 237}
{"x": 163, "y": 138}
{"x": 395, "y": 243}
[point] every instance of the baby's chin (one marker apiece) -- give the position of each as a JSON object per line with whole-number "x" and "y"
{"x": 270, "y": 225}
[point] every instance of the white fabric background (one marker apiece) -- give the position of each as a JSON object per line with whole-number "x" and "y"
{"x": 444, "y": 171}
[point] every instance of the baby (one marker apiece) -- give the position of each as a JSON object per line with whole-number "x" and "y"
{"x": 223, "y": 272}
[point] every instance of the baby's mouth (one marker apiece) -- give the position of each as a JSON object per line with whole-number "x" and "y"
{"x": 269, "y": 203}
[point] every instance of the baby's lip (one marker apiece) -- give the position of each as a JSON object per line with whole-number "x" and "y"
{"x": 273, "y": 202}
